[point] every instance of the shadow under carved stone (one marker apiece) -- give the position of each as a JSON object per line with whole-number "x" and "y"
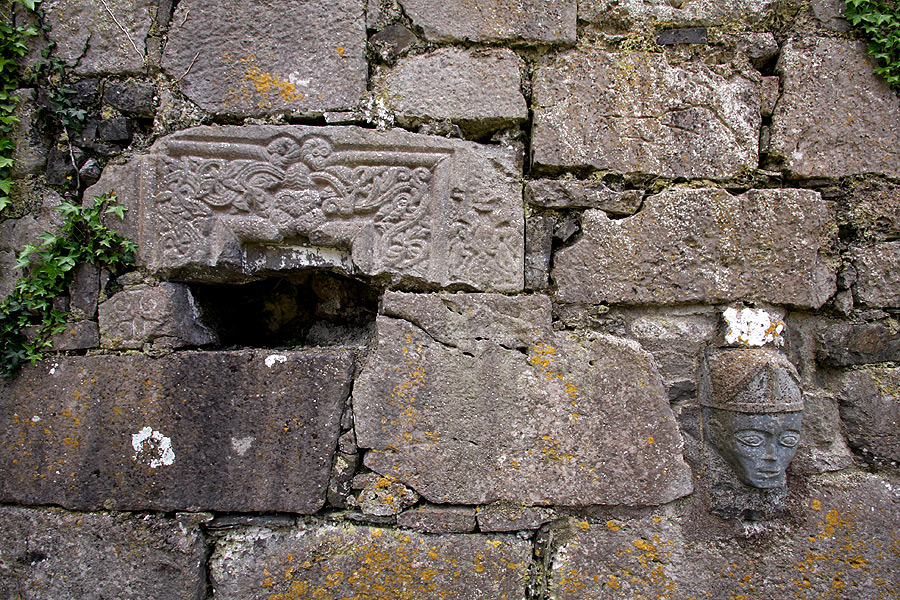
{"x": 704, "y": 245}
{"x": 51, "y": 553}
{"x": 230, "y": 203}
{"x": 473, "y": 399}
{"x": 334, "y": 561}
{"x": 224, "y": 431}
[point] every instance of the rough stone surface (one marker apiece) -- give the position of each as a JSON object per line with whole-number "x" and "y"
{"x": 84, "y": 291}
{"x": 840, "y": 540}
{"x": 505, "y": 517}
{"x": 15, "y": 233}
{"x": 572, "y": 193}
{"x": 31, "y": 147}
{"x": 538, "y": 251}
{"x": 704, "y": 245}
{"x": 878, "y": 271}
{"x": 835, "y": 117}
{"x": 439, "y": 519}
{"x": 530, "y": 21}
{"x": 842, "y": 344}
{"x": 699, "y": 13}
{"x": 822, "y": 445}
{"x": 103, "y": 47}
{"x": 478, "y": 90}
{"x": 226, "y": 431}
{"x": 224, "y": 203}
{"x": 634, "y": 112}
{"x": 385, "y": 496}
{"x": 80, "y": 335}
{"x": 52, "y": 553}
{"x": 331, "y": 561}
{"x": 161, "y": 315}
{"x": 689, "y": 35}
{"x": 870, "y": 410}
{"x": 875, "y": 209}
{"x": 132, "y": 98}
{"x": 240, "y": 58}
{"x": 472, "y": 399}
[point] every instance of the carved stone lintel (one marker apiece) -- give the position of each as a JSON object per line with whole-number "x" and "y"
{"x": 225, "y": 203}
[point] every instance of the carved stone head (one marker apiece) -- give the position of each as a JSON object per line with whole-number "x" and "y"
{"x": 752, "y": 408}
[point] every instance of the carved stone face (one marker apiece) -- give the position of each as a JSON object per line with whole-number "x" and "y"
{"x": 758, "y": 447}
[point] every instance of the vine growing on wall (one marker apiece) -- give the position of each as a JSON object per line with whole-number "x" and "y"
{"x": 12, "y": 48}
{"x": 879, "y": 23}
{"x": 28, "y": 318}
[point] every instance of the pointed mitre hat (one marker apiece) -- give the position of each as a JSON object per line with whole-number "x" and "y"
{"x": 757, "y": 380}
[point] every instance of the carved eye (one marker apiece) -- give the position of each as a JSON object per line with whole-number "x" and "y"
{"x": 789, "y": 439}
{"x": 749, "y": 438}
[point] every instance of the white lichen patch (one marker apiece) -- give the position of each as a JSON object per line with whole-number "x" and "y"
{"x": 752, "y": 327}
{"x": 275, "y": 358}
{"x": 156, "y": 446}
{"x": 242, "y": 445}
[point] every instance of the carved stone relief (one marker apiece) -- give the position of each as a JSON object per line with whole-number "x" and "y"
{"x": 752, "y": 413}
{"x": 213, "y": 203}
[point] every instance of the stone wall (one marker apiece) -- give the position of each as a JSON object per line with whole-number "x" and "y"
{"x": 432, "y": 296}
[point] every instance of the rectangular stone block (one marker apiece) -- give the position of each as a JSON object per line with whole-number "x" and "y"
{"x": 696, "y": 13}
{"x": 572, "y": 193}
{"x": 473, "y": 399}
{"x": 878, "y": 271}
{"x": 225, "y": 431}
{"x": 870, "y": 410}
{"x": 706, "y": 246}
{"x": 227, "y": 203}
{"x": 163, "y": 315}
{"x": 114, "y": 42}
{"x": 836, "y": 117}
{"x": 333, "y": 561}
{"x": 478, "y": 90}
{"x": 51, "y": 553}
{"x": 839, "y": 539}
{"x": 529, "y": 21}
{"x": 633, "y": 112}
{"x": 252, "y": 58}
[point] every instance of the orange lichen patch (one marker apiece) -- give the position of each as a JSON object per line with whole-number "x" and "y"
{"x": 816, "y": 504}
{"x": 256, "y": 84}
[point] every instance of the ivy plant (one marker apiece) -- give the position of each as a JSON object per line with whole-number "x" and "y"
{"x": 12, "y": 48}
{"x": 879, "y": 22}
{"x": 27, "y": 316}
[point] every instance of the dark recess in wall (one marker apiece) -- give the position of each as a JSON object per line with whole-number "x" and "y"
{"x": 301, "y": 309}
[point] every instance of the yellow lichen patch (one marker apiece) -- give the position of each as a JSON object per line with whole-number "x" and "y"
{"x": 256, "y": 84}
{"x": 612, "y": 526}
{"x": 817, "y": 504}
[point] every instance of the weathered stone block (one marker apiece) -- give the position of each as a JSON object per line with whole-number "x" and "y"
{"x": 80, "y": 335}
{"x": 505, "y": 517}
{"x": 52, "y": 553}
{"x": 704, "y": 245}
{"x": 164, "y": 314}
{"x": 226, "y": 431}
{"x": 688, "y": 35}
{"x": 439, "y": 519}
{"x": 115, "y": 40}
{"x": 240, "y": 58}
{"x": 472, "y": 399}
{"x": 822, "y": 445}
{"x": 845, "y": 344}
{"x": 84, "y": 291}
{"x": 31, "y": 147}
{"x": 835, "y": 117}
{"x": 478, "y": 90}
{"x": 699, "y": 13}
{"x": 878, "y": 271}
{"x": 840, "y": 538}
{"x": 633, "y": 112}
{"x": 331, "y": 561}
{"x": 385, "y": 496}
{"x": 572, "y": 193}
{"x": 224, "y": 203}
{"x": 530, "y": 21}
{"x": 875, "y": 208}
{"x": 538, "y": 250}
{"x": 870, "y": 409}
{"x": 133, "y": 98}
